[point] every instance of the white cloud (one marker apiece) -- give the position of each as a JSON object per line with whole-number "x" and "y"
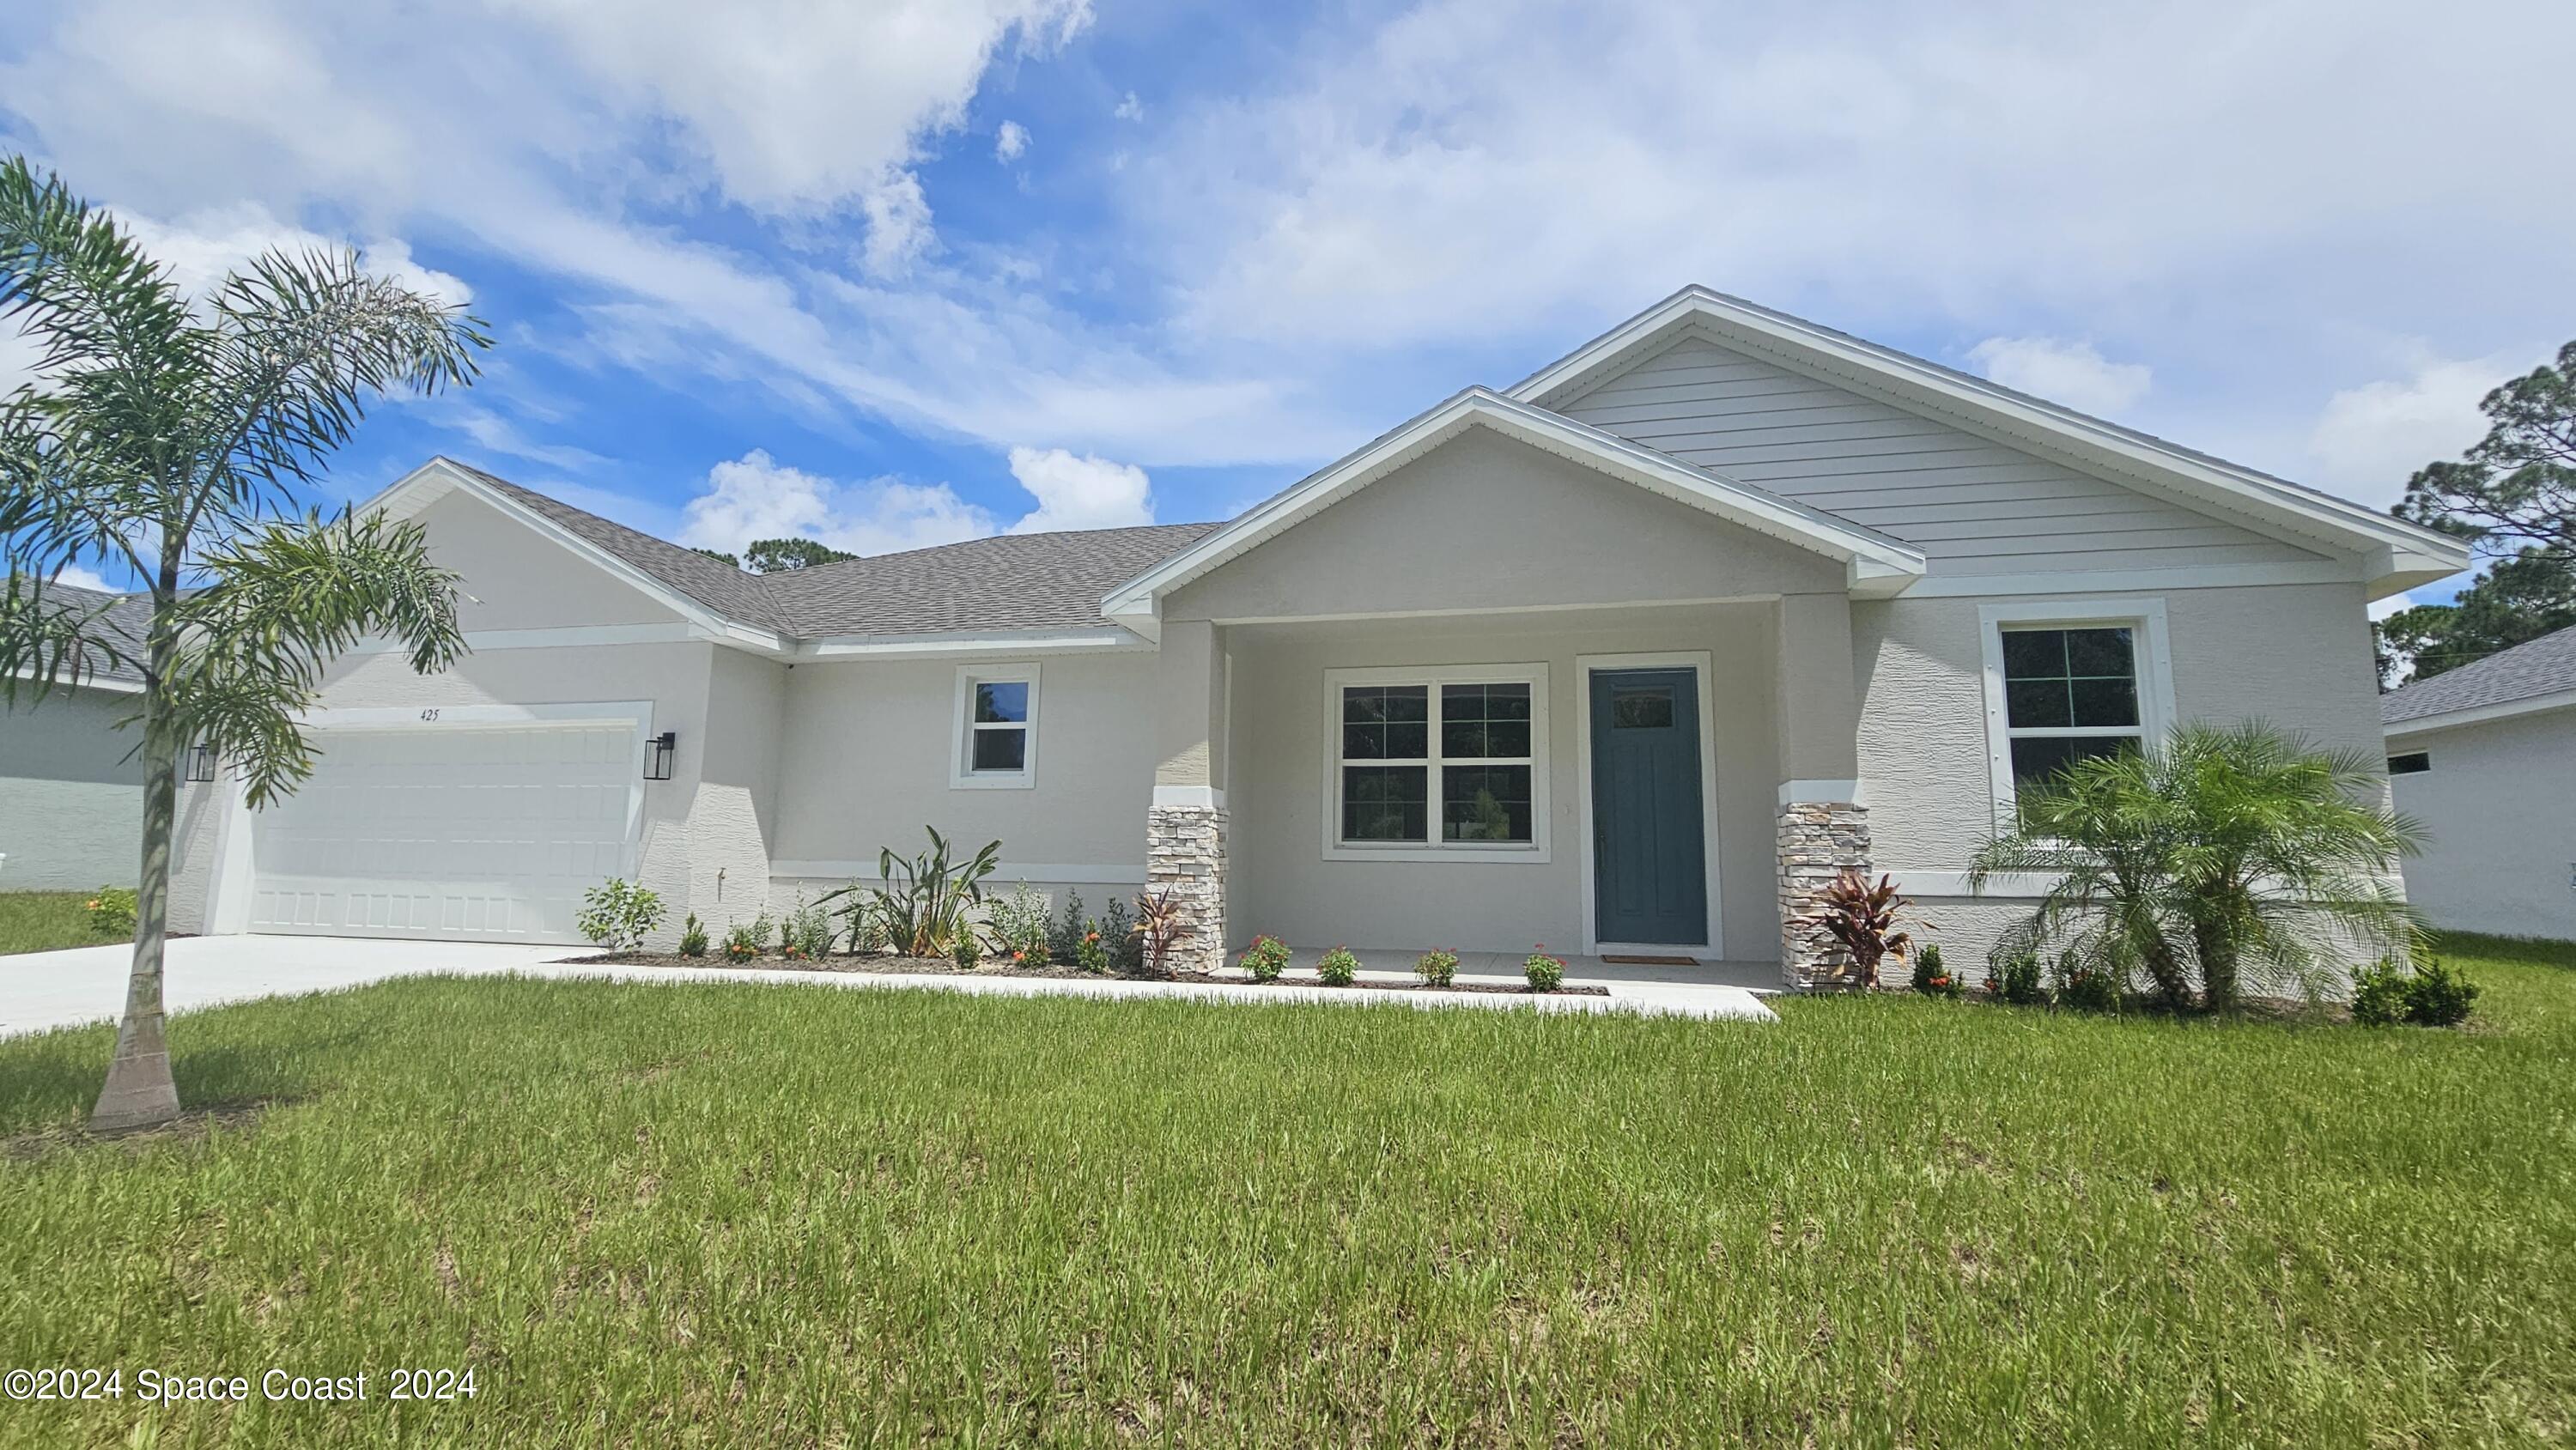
{"x": 2382, "y": 608}
{"x": 899, "y": 231}
{"x": 1080, "y": 492}
{"x": 1011, "y": 142}
{"x": 1130, "y": 109}
{"x": 2370, "y": 439}
{"x": 82, "y": 577}
{"x": 2072, "y": 374}
{"x": 757, "y": 497}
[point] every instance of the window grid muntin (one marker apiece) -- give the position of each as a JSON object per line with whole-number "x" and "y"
{"x": 2021, "y": 648}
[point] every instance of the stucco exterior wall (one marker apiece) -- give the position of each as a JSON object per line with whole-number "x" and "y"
{"x": 514, "y": 578}
{"x": 2298, "y": 656}
{"x": 864, "y": 762}
{"x": 2502, "y": 853}
{"x": 71, "y": 793}
{"x": 1282, "y": 884}
{"x": 1488, "y": 522}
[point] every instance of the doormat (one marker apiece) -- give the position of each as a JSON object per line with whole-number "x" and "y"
{"x": 1652, "y": 961}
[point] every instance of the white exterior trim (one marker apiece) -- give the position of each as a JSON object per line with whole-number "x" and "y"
{"x": 2478, "y": 714}
{"x": 1053, "y": 641}
{"x": 1198, "y": 797}
{"x": 961, "y": 728}
{"x": 2078, "y": 581}
{"x": 1093, "y": 874}
{"x": 1698, "y": 662}
{"x": 1539, "y": 851}
{"x": 1844, "y": 792}
{"x": 2154, "y": 655}
{"x": 586, "y": 636}
{"x": 1877, "y": 565}
{"x": 233, "y": 877}
{"x": 2398, "y": 555}
{"x": 87, "y": 682}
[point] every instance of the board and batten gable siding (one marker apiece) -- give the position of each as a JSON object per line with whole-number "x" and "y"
{"x": 1971, "y": 505}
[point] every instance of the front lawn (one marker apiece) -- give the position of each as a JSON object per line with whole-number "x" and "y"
{"x": 41, "y": 921}
{"x": 728, "y": 1215}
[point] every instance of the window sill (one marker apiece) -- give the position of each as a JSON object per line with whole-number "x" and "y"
{"x": 992, "y": 782}
{"x": 1536, "y": 854}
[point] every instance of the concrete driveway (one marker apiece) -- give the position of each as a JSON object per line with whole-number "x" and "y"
{"x": 40, "y": 990}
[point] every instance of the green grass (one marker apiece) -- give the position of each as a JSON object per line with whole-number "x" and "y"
{"x": 40, "y": 921}
{"x": 726, "y": 1215}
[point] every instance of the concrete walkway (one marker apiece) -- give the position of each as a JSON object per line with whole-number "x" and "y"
{"x": 40, "y": 990}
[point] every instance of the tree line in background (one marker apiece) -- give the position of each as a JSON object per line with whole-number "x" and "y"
{"x": 777, "y": 556}
{"x": 2513, "y": 497}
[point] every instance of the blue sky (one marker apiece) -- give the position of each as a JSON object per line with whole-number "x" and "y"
{"x": 892, "y": 275}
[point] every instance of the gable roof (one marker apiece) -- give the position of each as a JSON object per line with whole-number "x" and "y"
{"x": 2537, "y": 674}
{"x": 1878, "y": 565}
{"x": 2395, "y": 555}
{"x": 1013, "y": 584}
{"x": 126, "y": 616}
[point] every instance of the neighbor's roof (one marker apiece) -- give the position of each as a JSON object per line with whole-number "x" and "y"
{"x": 1011, "y": 583}
{"x": 2527, "y": 674}
{"x": 128, "y": 617}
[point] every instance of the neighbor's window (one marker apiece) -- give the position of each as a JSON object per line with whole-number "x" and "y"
{"x": 997, "y": 739}
{"x": 2069, "y": 695}
{"x": 2414, "y": 762}
{"x": 1448, "y": 760}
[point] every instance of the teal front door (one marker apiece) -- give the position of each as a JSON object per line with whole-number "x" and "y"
{"x": 1649, "y": 848}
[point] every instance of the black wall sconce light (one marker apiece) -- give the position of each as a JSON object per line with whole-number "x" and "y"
{"x": 657, "y": 755}
{"x": 201, "y": 763}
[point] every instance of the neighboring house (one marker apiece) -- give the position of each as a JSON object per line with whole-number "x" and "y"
{"x": 1627, "y": 657}
{"x": 71, "y": 782}
{"x": 2485, "y": 757}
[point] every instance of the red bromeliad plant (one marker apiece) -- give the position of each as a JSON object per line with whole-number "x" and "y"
{"x": 1861, "y": 919}
{"x": 1161, "y": 924}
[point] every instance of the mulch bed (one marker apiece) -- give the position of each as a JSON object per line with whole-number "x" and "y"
{"x": 940, "y": 966}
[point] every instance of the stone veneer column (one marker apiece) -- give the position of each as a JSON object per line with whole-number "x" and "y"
{"x": 1185, "y": 855}
{"x": 1818, "y": 840}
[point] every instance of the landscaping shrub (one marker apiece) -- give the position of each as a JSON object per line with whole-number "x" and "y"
{"x": 1931, "y": 978}
{"x": 1545, "y": 973}
{"x": 1266, "y": 958}
{"x": 925, "y": 901}
{"x": 2013, "y": 977}
{"x": 693, "y": 937}
{"x": 1091, "y": 953}
{"x": 1118, "y": 933}
{"x": 2086, "y": 985}
{"x": 1160, "y": 926}
{"x": 1067, "y": 932}
{"x": 2379, "y": 994}
{"x": 618, "y": 916}
{"x": 1337, "y": 968}
{"x": 808, "y": 931}
{"x": 2438, "y": 996}
{"x": 111, "y": 912}
{"x": 966, "y": 952}
{"x": 1864, "y": 920}
{"x": 1437, "y": 967}
{"x": 745, "y": 939}
{"x": 1018, "y": 926}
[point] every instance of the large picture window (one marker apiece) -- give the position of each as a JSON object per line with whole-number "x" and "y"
{"x": 1450, "y": 759}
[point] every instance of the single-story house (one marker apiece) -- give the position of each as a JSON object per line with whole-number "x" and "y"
{"x": 2484, "y": 756}
{"x": 71, "y": 782}
{"x": 1628, "y": 656}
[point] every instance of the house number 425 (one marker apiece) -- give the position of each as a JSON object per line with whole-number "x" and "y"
{"x": 429, "y": 714}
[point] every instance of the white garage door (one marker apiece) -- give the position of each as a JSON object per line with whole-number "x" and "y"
{"x": 464, "y": 832}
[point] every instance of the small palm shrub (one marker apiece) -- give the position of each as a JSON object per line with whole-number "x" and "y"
{"x": 693, "y": 937}
{"x": 2086, "y": 985}
{"x": 618, "y": 916}
{"x": 1931, "y": 978}
{"x": 1545, "y": 973}
{"x": 2013, "y": 978}
{"x": 111, "y": 912}
{"x": 1091, "y": 953}
{"x": 1338, "y": 967}
{"x": 1266, "y": 958}
{"x": 745, "y": 940}
{"x": 1437, "y": 967}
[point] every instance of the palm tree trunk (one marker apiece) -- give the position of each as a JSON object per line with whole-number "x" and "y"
{"x": 2172, "y": 987}
{"x": 2215, "y": 940}
{"x": 140, "y": 1091}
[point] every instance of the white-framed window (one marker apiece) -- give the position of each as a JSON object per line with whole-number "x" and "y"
{"x": 2410, "y": 762}
{"x": 1444, "y": 761}
{"x": 994, "y": 744}
{"x": 2068, "y": 680}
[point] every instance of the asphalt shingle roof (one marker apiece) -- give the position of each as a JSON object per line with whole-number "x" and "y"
{"x": 1011, "y": 582}
{"x": 128, "y": 617}
{"x": 2543, "y": 666}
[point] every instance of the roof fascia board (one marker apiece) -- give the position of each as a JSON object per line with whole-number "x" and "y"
{"x": 2092, "y": 444}
{"x": 1084, "y": 641}
{"x": 1879, "y": 565}
{"x": 433, "y": 480}
{"x": 83, "y": 682}
{"x": 2480, "y": 714}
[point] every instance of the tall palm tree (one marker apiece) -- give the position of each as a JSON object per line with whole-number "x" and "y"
{"x": 172, "y": 436}
{"x": 2215, "y": 849}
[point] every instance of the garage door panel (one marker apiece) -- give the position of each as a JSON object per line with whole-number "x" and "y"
{"x": 488, "y": 833}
